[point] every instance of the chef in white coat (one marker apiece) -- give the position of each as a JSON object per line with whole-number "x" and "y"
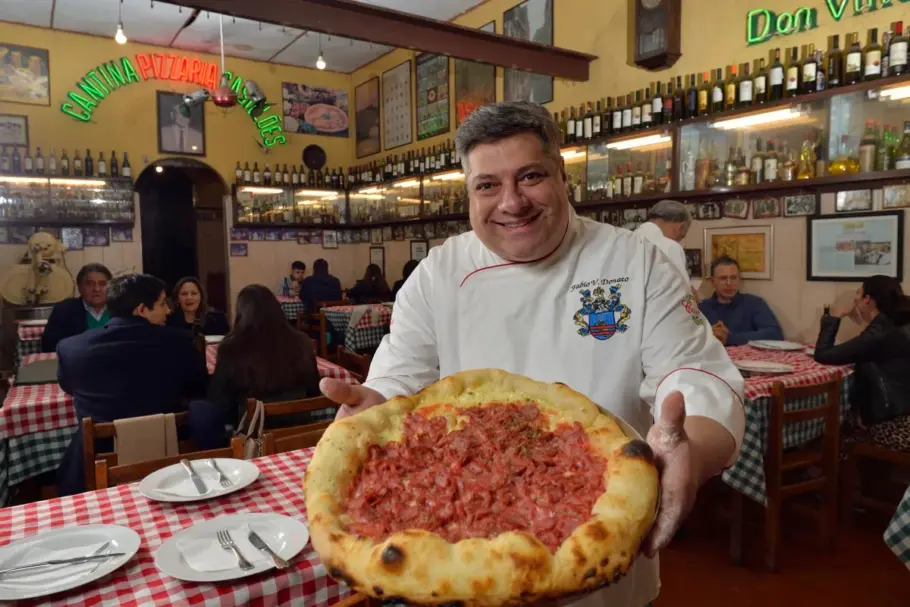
{"x": 539, "y": 291}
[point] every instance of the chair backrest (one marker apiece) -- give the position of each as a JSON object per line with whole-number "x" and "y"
{"x": 779, "y": 418}
{"x": 291, "y": 439}
{"x": 357, "y": 364}
{"x": 314, "y": 326}
{"x": 290, "y": 406}
{"x": 108, "y": 475}
{"x": 92, "y": 431}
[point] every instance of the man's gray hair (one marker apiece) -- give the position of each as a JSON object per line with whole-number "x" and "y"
{"x": 670, "y": 211}
{"x": 501, "y": 120}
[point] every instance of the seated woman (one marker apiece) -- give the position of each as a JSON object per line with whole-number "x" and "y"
{"x": 190, "y": 309}
{"x": 372, "y": 288}
{"x": 263, "y": 357}
{"x": 408, "y": 269}
{"x": 881, "y": 353}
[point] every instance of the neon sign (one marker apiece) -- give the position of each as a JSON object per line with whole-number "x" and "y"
{"x": 267, "y": 122}
{"x": 763, "y": 24}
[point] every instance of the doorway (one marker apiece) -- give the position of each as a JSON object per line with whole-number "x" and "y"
{"x": 181, "y": 206}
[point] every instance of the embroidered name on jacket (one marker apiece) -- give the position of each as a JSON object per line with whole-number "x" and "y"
{"x": 602, "y": 314}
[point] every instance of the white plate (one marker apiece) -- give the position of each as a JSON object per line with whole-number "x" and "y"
{"x": 213, "y": 339}
{"x": 161, "y": 484}
{"x": 50, "y": 580}
{"x": 772, "y": 344}
{"x": 810, "y": 351}
{"x": 285, "y": 535}
{"x": 763, "y": 366}
{"x": 32, "y": 323}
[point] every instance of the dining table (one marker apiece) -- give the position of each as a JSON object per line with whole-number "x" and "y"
{"x": 747, "y": 474}
{"x": 897, "y": 534}
{"x": 139, "y": 582}
{"x": 291, "y": 306}
{"x": 359, "y": 327}
{"x": 28, "y": 338}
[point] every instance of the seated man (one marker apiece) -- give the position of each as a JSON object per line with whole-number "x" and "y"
{"x": 77, "y": 314}
{"x": 290, "y": 284}
{"x": 737, "y": 318}
{"x": 321, "y": 286}
{"x": 132, "y": 367}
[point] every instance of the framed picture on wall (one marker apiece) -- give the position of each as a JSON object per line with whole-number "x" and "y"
{"x": 239, "y": 249}
{"x": 396, "y": 106}
{"x": 376, "y": 236}
{"x": 311, "y": 110}
{"x": 419, "y": 249}
{"x": 289, "y": 235}
{"x": 329, "y": 239}
{"x": 736, "y": 208}
{"x": 21, "y": 234}
{"x": 432, "y": 95}
{"x": 4, "y": 235}
{"x": 377, "y": 256}
{"x": 72, "y": 238}
{"x": 708, "y": 211}
{"x": 366, "y": 118}
{"x": 13, "y": 130}
{"x": 765, "y": 208}
{"x": 531, "y": 20}
{"x": 475, "y": 83}
{"x": 26, "y": 74}
{"x": 853, "y": 200}
{"x": 845, "y": 249}
{"x": 751, "y": 246}
{"x": 240, "y": 234}
{"x": 798, "y": 206}
{"x": 693, "y": 263}
{"x": 896, "y": 196}
{"x": 121, "y": 234}
{"x": 387, "y": 233}
{"x": 179, "y": 134}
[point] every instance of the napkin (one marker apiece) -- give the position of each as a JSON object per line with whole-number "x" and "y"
{"x": 358, "y": 313}
{"x": 185, "y": 487}
{"x": 52, "y": 574}
{"x": 206, "y": 553}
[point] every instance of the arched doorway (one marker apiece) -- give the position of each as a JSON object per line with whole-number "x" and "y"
{"x": 181, "y": 204}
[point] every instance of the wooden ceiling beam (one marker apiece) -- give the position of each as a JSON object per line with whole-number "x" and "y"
{"x": 403, "y": 30}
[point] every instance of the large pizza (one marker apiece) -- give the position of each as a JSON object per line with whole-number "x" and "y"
{"x": 486, "y": 488}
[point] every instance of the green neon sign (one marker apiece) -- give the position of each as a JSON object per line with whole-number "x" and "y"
{"x": 763, "y": 24}
{"x": 268, "y": 123}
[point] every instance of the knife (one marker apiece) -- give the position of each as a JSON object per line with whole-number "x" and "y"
{"x": 73, "y": 561}
{"x": 197, "y": 482}
{"x": 260, "y": 544}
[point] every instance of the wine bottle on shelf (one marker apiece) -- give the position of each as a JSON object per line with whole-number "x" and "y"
{"x": 247, "y": 174}
{"x": 810, "y": 71}
{"x": 257, "y": 176}
{"x": 776, "y": 77}
{"x": 570, "y": 126}
{"x": 267, "y": 175}
{"x": 27, "y": 163}
{"x": 617, "y": 116}
{"x": 628, "y": 180}
{"x": 887, "y": 36}
{"x": 897, "y": 52}
{"x": 636, "y": 111}
{"x": 770, "y": 172}
{"x": 588, "y": 123}
{"x": 5, "y": 166}
{"x": 835, "y": 64}
{"x": 646, "y": 110}
{"x": 853, "y": 70}
{"x": 16, "y": 161}
{"x": 807, "y": 160}
{"x": 730, "y": 168}
{"x": 39, "y": 162}
{"x": 793, "y": 73}
{"x": 52, "y": 163}
{"x": 717, "y": 92}
{"x": 704, "y": 95}
{"x": 760, "y": 84}
{"x": 607, "y": 119}
{"x": 77, "y": 164}
{"x": 668, "y": 104}
{"x": 89, "y": 164}
{"x": 867, "y": 150}
{"x": 64, "y": 164}
{"x": 102, "y": 165}
{"x": 757, "y": 165}
{"x": 820, "y": 77}
{"x": 657, "y": 105}
{"x": 746, "y": 88}
{"x": 286, "y": 176}
{"x": 125, "y": 169}
{"x": 731, "y": 90}
{"x": 691, "y": 98}
{"x": 872, "y": 57}
{"x": 679, "y": 101}
{"x": 115, "y": 168}
{"x": 596, "y": 120}
{"x": 902, "y": 154}
{"x": 627, "y": 114}
{"x": 638, "y": 180}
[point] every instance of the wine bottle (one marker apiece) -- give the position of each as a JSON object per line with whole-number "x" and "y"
{"x": 647, "y": 110}
{"x": 793, "y": 73}
{"x": 867, "y": 147}
{"x": 776, "y": 77}
{"x": 835, "y": 64}
{"x": 596, "y": 122}
{"x": 608, "y": 117}
{"x": 760, "y": 84}
{"x": 77, "y": 164}
{"x": 267, "y": 175}
{"x": 617, "y": 116}
{"x": 810, "y": 71}
{"x": 5, "y": 165}
{"x": 247, "y": 174}
{"x": 746, "y": 88}
{"x": 115, "y": 168}
{"x": 52, "y": 162}
{"x": 657, "y": 105}
{"x": 872, "y": 55}
{"x": 668, "y": 104}
{"x": 887, "y": 36}
{"x": 64, "y": 164}
{"x": 770, "y": 172}
{"x": 102, "y": 165}
{"x": 692, "y": 98}
{"x": 627, "y": 114}
{"x": 636, "y": 111}
{"x": 28, "y": 163}
{"x": 125, "y": 168}
{"x": 717, "y": 91}
{"x": 704, "y": 95}
{"x": 39, "y": 162}
{"x": 570, "y": 126}
{"x": 731, "y": 90}
{"x": 853, "y": 71}
{"x": 89, "y": 164}
{"x": 286, "y": 177}
{"x": 902, "y": 154}
{"x": 257, "y": 176}
{"x": 758, "y": 162}
{"x": 588, "y": 129}
{"x": 679, "y": 100}
{"x": 897, "y": 53}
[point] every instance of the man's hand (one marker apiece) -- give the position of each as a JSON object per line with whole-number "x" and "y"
{"x": 720, "y": 331}
{"x": 678, "y": 467}
{"x": 353, "y": 399}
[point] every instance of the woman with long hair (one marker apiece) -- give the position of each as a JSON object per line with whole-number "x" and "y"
{"x": 263, "y": 357}
{"x": 190, "y": 309}
{"x": 406, "y": 272}
{"x": 372, "y": 288}
{"x": 881, "y": 352}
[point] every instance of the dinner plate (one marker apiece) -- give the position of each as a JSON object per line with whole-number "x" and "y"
{"x": 773, "y": 344}
{"x": 63, "y": 542}
{"x": 213, "y": 339}
{"x": 32, "y": 323}
{"x": 195, "y": 548}
{"x": 173, "y": 484}
{"x": 765, "y": 367}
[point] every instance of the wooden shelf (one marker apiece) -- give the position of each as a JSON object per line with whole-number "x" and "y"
{"x": 46, "y": 222}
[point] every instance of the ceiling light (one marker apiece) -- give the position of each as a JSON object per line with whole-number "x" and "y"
{"x": 896, "y": 93}
{"x": 451, "y": 176}
{"x": 639, "y": 142}
{"x": 255, "y": 94}
{"x": 320, "y": 63}
{"x": 761, "y": 118}
{"x": 120, "y": 37}
{"x": 159, "y": 169}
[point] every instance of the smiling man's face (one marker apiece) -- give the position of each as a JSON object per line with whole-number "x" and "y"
{"x": 519, "y": 202}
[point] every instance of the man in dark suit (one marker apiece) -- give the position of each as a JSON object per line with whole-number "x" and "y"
{"x": 133, "y": 366}
{"x": 321, "y": 286}
{"x": 78, "y": 314}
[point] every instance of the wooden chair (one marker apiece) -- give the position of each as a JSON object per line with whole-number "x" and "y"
{"x": 92, "y": 432}
{"x": 107, "y": 475}
{"x": 358, "y": 365}
{"x": 290, "y": 406}
{"x": 851, "y": 488}
{"x": 822, "y": 454}
{"x": 291, "y": 439}
{"x": 314, "y": 326}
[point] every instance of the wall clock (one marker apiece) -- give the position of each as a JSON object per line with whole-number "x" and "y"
{"x": 657, "y": 33}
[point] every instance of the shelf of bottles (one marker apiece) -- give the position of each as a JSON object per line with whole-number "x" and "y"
{"x": 625, "y": 168}
{"x": 69, "y": 200}
{"x": 387, "y": 201}
{"x": 285, "y": 206}
{"x": 444, "y": 194}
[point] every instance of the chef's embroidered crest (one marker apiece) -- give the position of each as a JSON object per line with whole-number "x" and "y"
{"x": 691, "y": 307}
{"x": 602, "y": 316}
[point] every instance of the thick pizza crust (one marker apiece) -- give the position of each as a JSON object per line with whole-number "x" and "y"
{"x": 514, "y": 567}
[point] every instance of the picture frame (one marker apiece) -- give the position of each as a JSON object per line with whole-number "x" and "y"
{"x": 315, "y": 237}
{"x": 257, "y": 235}
{"x": 800, "y": 205}
{"x": 71, "y": 238}
{"x": 419, "y": 249}
{"x": 21, "y": 234}
{"x": 313, "y": 110}
{"x": 751, "y": 246}
{"x": 240, "y": 234}
{"x": 178, "y": 134}
{"x": 239, "y": 249}
{"x": 289, "y": 235}
{"x": 121, "y": 234}
{"x": 4, "y": 235}
{"x": 396, "y": 106}
{"x": 386, "y": 233}
{"x": 273, "y": 235}
{"x": 377, "y": 256}
{"x": 694, "y": 263}
{"x": 851, "y": 248}
{"x": 896, "y": 196}
{"x": 708, "y": 211}
{"x": 55, "y": 232}
{"x": 766, "y": 208}
{"x": 433, "y": 111}
{"x": 634, "y": 217}
{"x": 376, "y": 236}
{"x": 852, "y": 201}
{"x": 303, "y": 237}
{"x": 367, "y": 113}
{"x": 737, "y": 208}
{"x": 475, "y": 83}
{"x": 531, "y": 20}
{"x": 13, "y": 130}
{"x": 32, "y": 84}
{"x": 346, "y": 237}
{"x": 96, "y": 236}
{"x": 329, "y": 239}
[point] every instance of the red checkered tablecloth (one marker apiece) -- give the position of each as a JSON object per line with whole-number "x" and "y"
{"x": 28, "y": 332}
{"x": 380, "y": 315}
{"x": 805, "y": 370}
{"x": 140, "y": 583}
{"x": 326, "y": 368}
{"x": 30, "y": 358}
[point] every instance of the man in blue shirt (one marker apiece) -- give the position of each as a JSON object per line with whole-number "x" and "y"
{"x": 737, "y": 318}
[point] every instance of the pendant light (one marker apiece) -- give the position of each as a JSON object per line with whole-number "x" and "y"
{"x": 320, "y": 62}
{"x": 120, "y": 37}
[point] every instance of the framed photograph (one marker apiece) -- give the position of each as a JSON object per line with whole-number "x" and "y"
{"x": 432, "y": 95}
{"x": 273, "y": 235}
{"x": 397, "y": 232}
{"x": 386, "y": 233}
{"x": 376, "y": 236}
{"x": 475, "y": 83}
{"x": 346, "y": 237}
{"x": 736, "y": 208}
{"x": 21, "y": 234}
{"x": 849, "y": 249}
{"x": 25, "y": 74}
{"x": 799, "y": 206}
{"x": 364, "y": 235}
{"x": 312, "y": 110}
{"x": 751, "y": 246}
{"x": 316, "y": 237}
{"x": 366, "y": 118}
{"x": 377, "y": 256}
{"x": 632, "y": 218}
{"x": 531, "y": 20}
{"x": 239, "y": 249}
{"x": 853, "y": 200}
{"x": 178, "y": 134}
{"x": 765, "y": 208}
{"x": 303, "y": 237}
{"x": 13, "y": 130}
{"x": 396, "y": 106}
{"x": 55, "y": 232}
{"x": 240, "y": 234}
{"x": 693, "y": 263}
{"x": 419, "y": 249}
{"x": 330, "y": 239}
{"x": 708, "y": 211}
{"x": 96, "y": 236}
{"x": 257, "y": 234}
{"x": 72, "y": 238}
{"x": 896, "y": 196}
{"x": 289, "y": 235}
{"x": 121, "y": 234}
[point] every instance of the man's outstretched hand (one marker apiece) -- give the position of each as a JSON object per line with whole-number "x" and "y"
{"x": 353, "y": 399}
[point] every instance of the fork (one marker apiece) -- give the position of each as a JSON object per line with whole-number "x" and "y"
{"x": 224, "y": 538}
{"x": 222, "y": 478}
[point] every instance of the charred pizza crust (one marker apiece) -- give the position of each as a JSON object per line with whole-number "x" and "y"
{"x": 514, "y": 567}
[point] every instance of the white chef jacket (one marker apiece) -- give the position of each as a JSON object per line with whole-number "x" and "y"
{"x": 466, "y": 308}
{"x": 672, "y": 249}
